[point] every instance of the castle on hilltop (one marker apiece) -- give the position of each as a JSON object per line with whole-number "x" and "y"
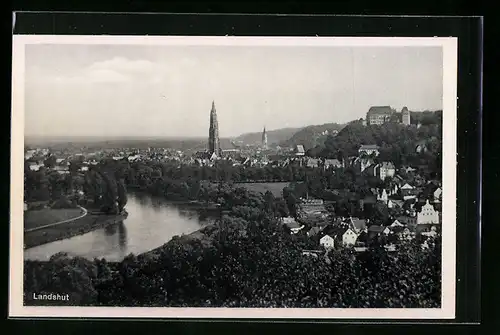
{"x": 378, "y": 115}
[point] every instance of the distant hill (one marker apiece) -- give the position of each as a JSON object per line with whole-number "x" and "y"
{"x": 311, "y": 136}
{"x": 273, "y": 136}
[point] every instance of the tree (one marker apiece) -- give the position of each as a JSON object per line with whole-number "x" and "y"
{"x": 50, "y": 161}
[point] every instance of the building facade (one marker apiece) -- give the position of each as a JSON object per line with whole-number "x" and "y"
{"x": 213, "y": 133}
{"x": 405, "y": 114}
{"x": 385, "y": 170}
{"x": 427, "y": 215}
{"x": 378, "y": 115}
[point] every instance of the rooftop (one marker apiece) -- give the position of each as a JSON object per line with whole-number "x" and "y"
{"x": 368, "y": 147}
{"x": 380, "y": 110}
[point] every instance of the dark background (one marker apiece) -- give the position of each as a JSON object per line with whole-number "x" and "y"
{"x": 468, "y": 30}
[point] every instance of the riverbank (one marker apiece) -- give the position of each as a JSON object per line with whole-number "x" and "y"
{"x": 70, "y": 229}
{"x": 39, "y": 218}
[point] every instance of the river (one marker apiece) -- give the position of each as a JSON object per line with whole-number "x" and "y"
{"x": 151, "y": 223}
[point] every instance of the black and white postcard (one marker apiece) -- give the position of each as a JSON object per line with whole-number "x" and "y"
{"x": 233, "y": 177}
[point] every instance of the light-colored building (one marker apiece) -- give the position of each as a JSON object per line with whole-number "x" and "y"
{"x": 378, "y": 115}
{"x": 327, "y": 242}
{"x": 349, "y": 237}
{"x": 385, "y": 170}
{"x": 299, "y": 150}
{"x": 438, "y": 194}
{"x": 427, "y": 214}
{"x": 369, "y": 149}
{"x": 333, "y": 163}
{"x": 406, "y": 119}
{"x": 382, "y": 196}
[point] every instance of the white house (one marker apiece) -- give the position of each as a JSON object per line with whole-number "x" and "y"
{"x": 349, "y": 237}
{"x": 327, "y": 242}
{"x": 406, "y": 189}
{"x": 292, "y": 224}
{"x": 437, "y": 194}
{"x": 385, "y": 170}
{"x": 396, "y": 223}
{"x": 386, "y": 231}
{"x": 427, "y": 214}
{"x": 382, "y": 196}
{"x": 391, "y": 204}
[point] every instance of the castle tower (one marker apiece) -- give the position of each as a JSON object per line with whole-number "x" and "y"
{"x": 264, "y": 138}
{"x": 213, "y": 132}
{"x": 406, "y": 116}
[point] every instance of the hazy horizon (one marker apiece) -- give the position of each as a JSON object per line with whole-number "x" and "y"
{"x": 167, "y": 91}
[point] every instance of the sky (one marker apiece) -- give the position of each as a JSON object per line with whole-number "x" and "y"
{"x": 163, "y": 91}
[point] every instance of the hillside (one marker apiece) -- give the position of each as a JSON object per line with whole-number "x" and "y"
{"x": 273, "y": 136}
{"x": 311, "y": 136}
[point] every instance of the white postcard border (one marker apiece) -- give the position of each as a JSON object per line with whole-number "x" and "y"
{"x": 447, "y": 310}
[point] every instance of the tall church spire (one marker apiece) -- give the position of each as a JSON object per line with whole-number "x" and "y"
{"x": 264, "y": 138}
{"x": 213, "y": 132}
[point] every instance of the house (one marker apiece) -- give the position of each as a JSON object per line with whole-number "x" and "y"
{"x": 362, "y": 163}
{"x": 382, "y": 196}
{"x": 367, "y": 170}
{"x": 299, "y": 150}
{"x": 35, "y": 167}
{"x": 408, "y": 192}
{"x": 368, "y": 150}
{"x": 312, "y": 163}
{"x": 327, "y": 242}
{"x": 313, "y": 231}
{"x": 332, "y": 163}
{"x": 438, "y": 194}
{"x": 396, "y": 223}
{"x": 349, "y": 237}
{"x": 385, "y": 170}
{"x": 378, "y": 115}
{"x": 357, "y": 225}
{"x": 375, "y": 230}
{"x": 293, "y": 225}
{"x": 133, "y": 158}
{"x": 427, "y": 215}
{"x": 386, "y": 231}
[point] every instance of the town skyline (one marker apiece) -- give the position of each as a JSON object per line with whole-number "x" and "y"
{"x": 164, "y": 91}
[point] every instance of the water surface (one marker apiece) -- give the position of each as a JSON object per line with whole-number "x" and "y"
{"x": 151, "y": 223}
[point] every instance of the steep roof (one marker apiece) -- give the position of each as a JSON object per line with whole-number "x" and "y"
{"x": 380, "y": 110}
{"x": 359, "y": 224}
{"x": 376, "y": 229}
{"x": 368, "y": 147}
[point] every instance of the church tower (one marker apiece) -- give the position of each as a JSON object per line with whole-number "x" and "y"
{"x": 213, "y": 133}
{"x": 406, "y": 116}
{"x": 264, "y": 138}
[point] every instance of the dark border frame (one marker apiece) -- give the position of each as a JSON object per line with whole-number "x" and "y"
{"x": 469, "y": 113}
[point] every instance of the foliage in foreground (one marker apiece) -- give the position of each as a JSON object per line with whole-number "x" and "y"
{"x": 246, "y": 260}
